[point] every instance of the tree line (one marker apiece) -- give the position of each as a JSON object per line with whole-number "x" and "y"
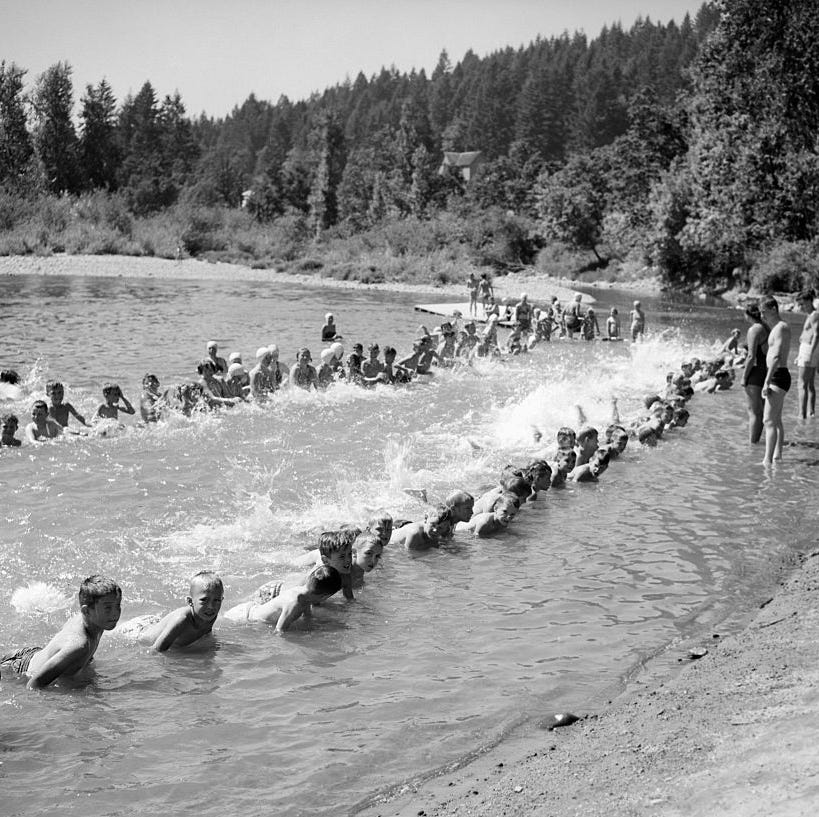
{"x": 690, "y": 146}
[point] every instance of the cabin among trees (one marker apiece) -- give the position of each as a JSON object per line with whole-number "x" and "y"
{"x": 465, "y": 164}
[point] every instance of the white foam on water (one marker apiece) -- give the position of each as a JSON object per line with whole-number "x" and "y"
{"x": 39, "y": 597}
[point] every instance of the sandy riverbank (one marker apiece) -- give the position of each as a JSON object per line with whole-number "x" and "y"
{"x": 538, "y": 287}
{"x": 735, "y": 733}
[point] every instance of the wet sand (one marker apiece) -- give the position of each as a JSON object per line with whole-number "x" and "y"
{"x": 538, "y": 287}
{"x": 733, "y": 733}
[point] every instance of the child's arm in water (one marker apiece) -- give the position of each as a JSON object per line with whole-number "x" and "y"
{"x": 77, "y": 416}
{"x": 165, "y": 632}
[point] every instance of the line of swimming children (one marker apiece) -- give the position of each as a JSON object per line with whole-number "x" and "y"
{"x": 343, "y": 557}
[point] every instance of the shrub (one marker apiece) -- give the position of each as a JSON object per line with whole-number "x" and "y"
{"x": 786, "y": 267}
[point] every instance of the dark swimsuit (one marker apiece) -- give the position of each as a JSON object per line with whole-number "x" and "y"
{"x": 756, "y": 377}
{"x": 18, "y": 661}
{"x": 781, "y": 378}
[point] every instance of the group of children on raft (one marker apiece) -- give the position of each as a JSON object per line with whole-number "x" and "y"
{"x": 344, "y": 556}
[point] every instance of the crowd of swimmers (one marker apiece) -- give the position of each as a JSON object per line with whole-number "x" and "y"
{"x": 343, "y": 557}
{"x": 222, "y": 383}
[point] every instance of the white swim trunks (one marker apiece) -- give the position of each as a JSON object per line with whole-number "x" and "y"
{"x": 804, "y": 358}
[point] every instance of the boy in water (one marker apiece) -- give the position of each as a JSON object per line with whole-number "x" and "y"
{"x": 187, "y": 624}
{"x": 589, "y": 472}
{"x": 42, "y": 427}
{"x": 638, "y": 321}
{"x": 328, "y": 331}
{"x": 58, "y": 410}
{"x": 219, "y": 363}
{"x": 336, "y": 551}
{"x": 73, "y": 647}
{"x": 115, "y": 402}
{"x": 613, "y": 324}
{"x": 291, "y": 603}
{"x": 149, "y": 399}
{"x": 777, "y": 379}
{"x": 302, "y": 373}
{"x": 8, "y": 429}
{"x": 424, "y": 535}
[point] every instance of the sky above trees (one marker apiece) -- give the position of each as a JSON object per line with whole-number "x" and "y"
{"x": 215, "y": 53}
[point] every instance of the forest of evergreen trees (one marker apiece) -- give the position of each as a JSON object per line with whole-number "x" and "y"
{"x": 690, "y": 146}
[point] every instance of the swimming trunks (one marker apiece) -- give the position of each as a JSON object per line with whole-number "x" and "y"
{"x": 18, "y": 661}
{"x": 781, "y": 379}
{"x": 804, "y": 358}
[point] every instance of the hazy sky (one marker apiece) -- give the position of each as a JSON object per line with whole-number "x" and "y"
{"x": 216, "y": 52}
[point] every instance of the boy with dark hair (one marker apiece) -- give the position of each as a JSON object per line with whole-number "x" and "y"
{"x": 291, "y": 603}
{"x": 115, "y": 402}
{"x": 58, "y": 410}
{"x": 8, "y": 428}
{"x": 73, "y": 647}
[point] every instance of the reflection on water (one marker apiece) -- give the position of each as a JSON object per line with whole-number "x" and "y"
{"x": 439, "y": 653}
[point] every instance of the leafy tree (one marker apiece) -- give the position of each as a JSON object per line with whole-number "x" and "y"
{"x": 15, "y": 144}
{"x": 55, "y": 140}
{"x": 99, "y": 148}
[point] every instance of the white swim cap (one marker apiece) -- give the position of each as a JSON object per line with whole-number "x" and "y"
{"x": 337, "y": 349}
{"x": 273, "y": 349}
{"x": 235, "y": 369}
{"x": 327, "y": 355}
{"x": 212, "y": 344}
{"x": 261, "y": 352}
{"x": 235, "y": 357}
{"x": 328, "y": 316}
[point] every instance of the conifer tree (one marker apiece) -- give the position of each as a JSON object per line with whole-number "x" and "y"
{"x": 15, "y": 144}
{"x": 99, "y": 147}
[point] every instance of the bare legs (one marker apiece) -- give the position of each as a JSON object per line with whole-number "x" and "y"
{"x": 807, "y": 391}
{"x": 756, "y": 406}
{"x": 774, "y": 431}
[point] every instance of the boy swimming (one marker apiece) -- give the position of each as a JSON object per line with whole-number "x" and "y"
{"x": 188, "y": 624}
{"x": 73, "y": 647}
{"x": 115, "y": 402}
{"x": 425, "y": 535}
{"x": 58, "y": 410}
{"x": 149, "y": 399}
{"x": 292, "y": 603}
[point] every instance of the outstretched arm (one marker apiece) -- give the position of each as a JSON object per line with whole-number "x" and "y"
{"x": 77, "y": 416}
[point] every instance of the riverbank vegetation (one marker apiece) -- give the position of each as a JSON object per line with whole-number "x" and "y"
{"x": 686, "y": 148}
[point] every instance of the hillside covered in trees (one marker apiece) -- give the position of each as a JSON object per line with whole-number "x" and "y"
{"x": 688, "y": 146}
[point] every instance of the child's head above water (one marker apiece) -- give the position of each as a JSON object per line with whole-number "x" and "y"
{"x": 98, "y": 588}
{"x": 367, "y": 550}
{"x": 323, "y": 582}
{"x": 55, "y": 390}
{"x": 381, "y": 527}
{"x": 566, "y": 438}
{"x": 438, "y": 521}
{"x": 335, "y": 548}
{"x": 205, "y": 595}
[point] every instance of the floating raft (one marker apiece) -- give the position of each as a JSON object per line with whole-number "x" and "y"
{"x": 448, "y": 310}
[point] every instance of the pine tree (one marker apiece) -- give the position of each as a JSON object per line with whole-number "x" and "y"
{"x": 15, "y": 144}
{"x": 55, "y": 140}
{"x": 99, "y": 148}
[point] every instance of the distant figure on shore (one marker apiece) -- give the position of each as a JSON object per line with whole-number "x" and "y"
{"x": 753, "y": 374}
{"x": 777, "y": 379}
{"x": 473, "y": 286}
{"x": 808, "y": 356}
{"x": 613, "y": 324}
{"x": 638, "y": 321}
{"x": 486, "y": 292}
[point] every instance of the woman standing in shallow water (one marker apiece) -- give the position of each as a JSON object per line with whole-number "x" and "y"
{"x": 755, "y": 370}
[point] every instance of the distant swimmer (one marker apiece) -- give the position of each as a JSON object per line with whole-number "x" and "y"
{"x": 115, "y": 402}
{"x": 42, "y": 427}
{"x": 807, "y": 358}
{"x": 260, "y": 383}
{"x": 638, "y": 321}
{"x": 58, "y": 410}
{"x": 219, "y": 363}
{"x": 372, "y": 369}
{"x": 291, "y": 603}
{"x": 187, "y": 624}
{"x": 613, "y": 324}
{"x": 8, "y": 430}
{"x": 777, "y": 379}
{"x": 329, "y": 330}
{"x": 73, "y": 647}
{"x": 573, "y": 316}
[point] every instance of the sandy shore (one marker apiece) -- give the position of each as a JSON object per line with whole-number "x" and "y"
{"x": 538, "y": 287}
{"x": 734, "y": 733}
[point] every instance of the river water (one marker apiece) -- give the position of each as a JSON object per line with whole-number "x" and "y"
{"x": 440, "y": 653}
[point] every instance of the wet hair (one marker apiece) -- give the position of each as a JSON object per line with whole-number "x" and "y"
{"x": 8, "y": 418}
{"x": 54, "y": 385}
{"x": 389, "y": 350}
{"x": 203, "y": 366}
{"x": 302, "y": 351}
{"x": 95, "y": 587}
{"x": 439, "y": 514}
{"x": 39, "y": 404}
{"x": 602, "y": 455}
{"x": 337, "y": 541}
{"x": 752, "y": 311}
{"x": 109, "y": 387}
{"x": 147, "y": 377}
{"x": 518, "y": 485}
{"x": 323, "y": 581}
{"x": 208, "y": 579}
{"x": 650, "y": 399}
{"x": 681, "y": 416}
{"x": 647, "y": 435}
{"x": 611, "y": 429}
{"x": 383, "y": 520}
{"x": 537, "y": 469}
{"x": 373, "y": 347}
{"x": 614, "y": 311}
{"x": 9, "y": 376}
{"x": 566, "y": 432}
{"x": 585, "y": 433}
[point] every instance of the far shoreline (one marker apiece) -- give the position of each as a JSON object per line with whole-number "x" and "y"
{"x": 537, "y": 286}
